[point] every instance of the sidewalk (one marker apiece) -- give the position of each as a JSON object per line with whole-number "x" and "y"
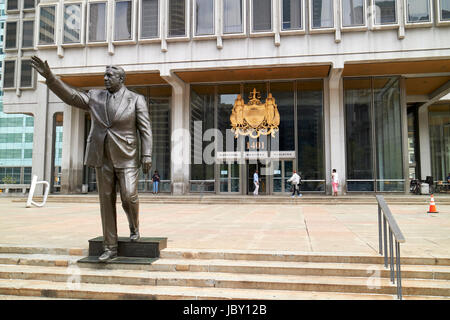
{"x": 301, "y": 227}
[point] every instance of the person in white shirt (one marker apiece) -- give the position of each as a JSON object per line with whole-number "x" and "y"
{"x": 295, "y": 180}
{"x": 335, "y": 182}
{"x": 256, "y": 183}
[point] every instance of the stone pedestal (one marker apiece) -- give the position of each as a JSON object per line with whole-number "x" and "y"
{"x": 144, "y": 251}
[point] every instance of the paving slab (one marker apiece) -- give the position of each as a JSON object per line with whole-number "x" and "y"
{"x": 340, "y": 228}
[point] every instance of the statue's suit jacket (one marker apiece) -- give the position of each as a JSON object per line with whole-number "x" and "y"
{"x": 131, "y": 116}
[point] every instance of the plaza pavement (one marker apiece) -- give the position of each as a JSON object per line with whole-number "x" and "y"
{"x": 341, "y": 228}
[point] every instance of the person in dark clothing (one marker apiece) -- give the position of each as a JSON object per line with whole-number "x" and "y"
{"x": 155, "y": 178}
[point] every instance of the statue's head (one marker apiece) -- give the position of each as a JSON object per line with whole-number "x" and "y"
{"x": 114, "y": 78}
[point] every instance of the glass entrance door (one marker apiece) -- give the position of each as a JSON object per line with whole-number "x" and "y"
{"x": 282, "y": 171}
{"x": 252, "y": 166}
{"x": 229, "y": 178}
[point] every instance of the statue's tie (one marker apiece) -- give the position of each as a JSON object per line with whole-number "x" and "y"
{"x": 110, "y": 106}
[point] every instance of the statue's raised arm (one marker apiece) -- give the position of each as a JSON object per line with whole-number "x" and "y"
{"x": 41, "y": 67}
{"x": 66, "y": 93}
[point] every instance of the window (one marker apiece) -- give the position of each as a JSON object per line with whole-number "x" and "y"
{"x": 123, "y": 20}
{"x": 321, "y": 14}
{"x": 204, "y": 17}
{"x": 385, "y": 12}
{"x": 27, "y": 33}
{"x": 12, "y": 5}
{"x": 9, "y": 72}
{"x": 291, "y": 13}
{"x": 72, "y": 23}
{"x": 97, "y": 22}
{"x": 353, "y": 13}
{"x": 177, "y": 18}
{"x": 11, "y": 35}
{"x": 28, "y": 4}
{"x": 233, "y": 13}
{"x": 47, "y": 23}
{"x": 261, "y": 15}
{"x": 26, "y": 76}
{"x": 149, "y": 19}
{"x": 444, "y": 10}
{"x": 418, "y": 11}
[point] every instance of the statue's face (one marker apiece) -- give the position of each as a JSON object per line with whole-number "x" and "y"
{"x": 112, "y": 79}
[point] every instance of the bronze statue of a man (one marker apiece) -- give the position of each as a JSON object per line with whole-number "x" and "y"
{"x": 117, "y": 114}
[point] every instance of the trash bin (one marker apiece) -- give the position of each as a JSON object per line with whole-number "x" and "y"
{"x": 424, "y": 188}
{"x": 84, "y": 188}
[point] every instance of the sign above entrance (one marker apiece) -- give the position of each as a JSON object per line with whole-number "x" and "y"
{"x": 249, "y": 155}
{"x": 254, "y": 118}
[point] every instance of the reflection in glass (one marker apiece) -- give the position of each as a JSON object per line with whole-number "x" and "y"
{"x": 11, "y": 35}
{"x": 357, "y": 99}
{"x": 262, "y": 15}
{"x": 439, "y": 123}
{"x": 388, "y": 133}
{"x": 418, "y": 10}
{"x": 122, "y": 21}
{"x": 47, "y": 25}
{"x": 26, "y": 74}
{"x": 444, "y": 6}
{"x": 385, "y": 11}
{"x": 8, "y": 73}
{"x": 72, "y": 23}
{"x": 322, "y": 14}
{"x": 292, "y": 14}
{"x": 353, "y": 13}
{"x": 227, "y": 95}
{"x": 160, "y": 120}
{"x": 232, "y": 16}
{"x": 310, "y": 131}
{"x": 149, "y": 19}
{"x": 177, "y": 17}
{"x": 202, "y": 119}
{"x": 283, "y": 92}
{"x": 97, "y": 22}
{"x": 27, "y": 34}
{"x": 204, "y": 17}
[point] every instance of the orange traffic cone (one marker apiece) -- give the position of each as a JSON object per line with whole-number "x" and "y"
{"x": 432, "y": 206}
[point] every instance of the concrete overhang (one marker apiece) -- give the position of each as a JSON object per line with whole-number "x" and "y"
{"x": 254, "y": 74}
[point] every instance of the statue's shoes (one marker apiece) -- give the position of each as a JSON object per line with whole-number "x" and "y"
{"x": 107, "y": 255}
{"x": 134, "y": 237}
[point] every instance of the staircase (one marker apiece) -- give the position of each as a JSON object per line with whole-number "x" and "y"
{"x": 441, "y": 199}
{"x": 30, "y": 272}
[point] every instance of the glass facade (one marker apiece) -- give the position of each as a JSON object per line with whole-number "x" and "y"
{"x": 220, "y": 162}
{"x": 292, "y": 15}
{"x": 373, "y": 134}
{"x": 149, "y": 19}
{"x": 439, "y": 123}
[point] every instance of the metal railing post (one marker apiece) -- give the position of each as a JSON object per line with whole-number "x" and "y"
{"x": 391, "y": 258}
{"x": 380, "y": 232}
{"x": 385, "y": 242}
{"x": 399, "y": 275}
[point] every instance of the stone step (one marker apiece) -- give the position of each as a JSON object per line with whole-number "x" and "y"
{"x": 238, "y": 266}
{"x": 275, "y": 200}
{"x": 226, "y": 280}
{"x": 293, "y": 256}
{"x": 299, "y": 268}
{"x": 46, "y": 289}
{"x": 10, "y": 248}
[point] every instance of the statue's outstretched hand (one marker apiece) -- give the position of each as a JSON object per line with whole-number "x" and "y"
{"x": 41, "y": 66}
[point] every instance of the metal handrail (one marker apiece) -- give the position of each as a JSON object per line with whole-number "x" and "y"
{"x": 386, "y": 220}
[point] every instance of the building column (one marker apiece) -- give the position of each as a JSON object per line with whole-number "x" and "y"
{"x": 41, "y": 138}
{"x": 72, "y": 150}
{"x": 424, "y": 143}
{"x": 335, "y": 126}
{"x": 180, "y": 136}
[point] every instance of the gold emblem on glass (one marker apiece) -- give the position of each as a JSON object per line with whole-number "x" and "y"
{"x": 255, "y": 118}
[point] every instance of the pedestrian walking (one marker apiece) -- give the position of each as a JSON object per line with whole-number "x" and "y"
{"x": 155, "y": 178}
{"x": 295, "y": 180}
{"x": 335, "y": 182}
{"x": 256, "y": 182}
